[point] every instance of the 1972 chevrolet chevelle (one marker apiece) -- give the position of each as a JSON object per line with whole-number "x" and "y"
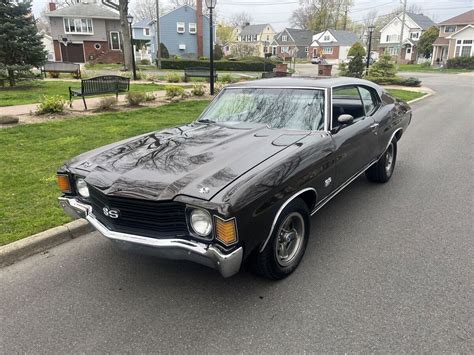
{"x": 242, "y": 181}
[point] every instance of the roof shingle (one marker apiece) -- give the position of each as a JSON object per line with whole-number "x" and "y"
{"x": 465, "y": 18}
{"x": 84, "y": 10}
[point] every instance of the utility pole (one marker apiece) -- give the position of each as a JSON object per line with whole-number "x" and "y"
{"x": 404, "y": 2}
{"x": 158, "y": 40}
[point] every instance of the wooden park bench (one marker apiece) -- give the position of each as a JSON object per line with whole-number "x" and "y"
{"x": 100, "y": 85}
{"x": 198, "y": 72}
{"x": 61, "y": 67}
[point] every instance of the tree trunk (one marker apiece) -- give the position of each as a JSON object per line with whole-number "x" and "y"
{"x": 127, "y": 46}
{"x": 11, "y": 77}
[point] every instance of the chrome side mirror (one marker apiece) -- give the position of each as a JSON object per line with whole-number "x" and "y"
{"x": 345, "y": 119}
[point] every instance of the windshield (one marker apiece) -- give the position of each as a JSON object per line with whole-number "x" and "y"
{"x": 299, "y": 109}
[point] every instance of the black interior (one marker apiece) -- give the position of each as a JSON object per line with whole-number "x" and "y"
{"x": 341, "y": 106}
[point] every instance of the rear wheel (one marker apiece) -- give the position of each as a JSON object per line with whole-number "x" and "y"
{"x": 382, "y": 170}
{"x": 287, "y": 244}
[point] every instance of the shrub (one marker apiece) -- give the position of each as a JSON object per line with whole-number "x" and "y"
{"x": 218, "y": 88}
{"x": 174, "y": 91}
{"x": 198, "y": 90}
{"x": 241, "y": 65}
{"x": 53, "y": 75}
{"x": 356, "y": 66}
{"x": 356, "y": 49}
{"x": 172, "y": 78}
{"x": 461, "y": 63}
{"x": 150, "y": 97}
{"x": 203, "y": 58}
{"x": 343, "y": 69}
{"x": 164, "y": 51}
{"x": 227, "y": 78}
{"x": 51, "y": 104}
{"x": 75, "y": 76}
{"x": 144, "y": 62}
{"x": 396, "y": 80}
{"x": 383, "y": 68}
{"x": 411, "y": 81}
{"x": 9, "y": 119}
{"x": 425, "y": 65}
{"x": 136, "y": 98}
{"x": 218, "y": 53}
{"x": 106, "y": 103}
{"x": 126, "y": 74}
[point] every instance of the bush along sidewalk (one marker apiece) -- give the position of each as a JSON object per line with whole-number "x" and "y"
{"x": 384, "y": 71}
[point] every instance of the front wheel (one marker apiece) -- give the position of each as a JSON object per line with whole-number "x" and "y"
{"x": 287, "y": 244}
{"x": 382, "y": 170}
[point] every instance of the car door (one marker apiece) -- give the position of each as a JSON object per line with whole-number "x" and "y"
{"x": 355, "y": 143}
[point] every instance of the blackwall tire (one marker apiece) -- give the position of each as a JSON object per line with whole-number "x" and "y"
{"x": 382, "y": 171}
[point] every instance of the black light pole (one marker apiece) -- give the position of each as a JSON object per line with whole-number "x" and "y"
{"x": 370, "y": 30}
{"x": 130, "y": 20}
{"x": 211, "y": 4}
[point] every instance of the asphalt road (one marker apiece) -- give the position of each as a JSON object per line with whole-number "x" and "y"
{"x": 389, "y": 268}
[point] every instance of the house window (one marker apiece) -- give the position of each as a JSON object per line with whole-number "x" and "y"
{"x": 146, "y": 31}
{"x": 449, "y": 29}
{"x": 255, "y": 38}
{"x": 285, "y": 49}
{"x": 392, "y": 50}
{"x": 114, "y": 40}
{"x": 306, "y": 49}
{"x": 180, "y": 28}
{"x": 78, "y": 25}
{"x": 268, "y": 37}
{"x": 327, "y": 50}
{"x": 192, "y": 28}
{"x": 327, "y": 38}
{"x": 464, "y": 49}
{"x": 414, "y": 35}
{"x": 97, "y": 46}
{"x": 393, "y": 38}
{"x": 408, "y": 50}
{"x": 284, "y": 38}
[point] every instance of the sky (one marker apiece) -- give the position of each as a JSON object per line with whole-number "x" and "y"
{"x": 278, "y": 12}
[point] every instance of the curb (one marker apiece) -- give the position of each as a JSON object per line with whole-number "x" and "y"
{"x": 43, "y": 241}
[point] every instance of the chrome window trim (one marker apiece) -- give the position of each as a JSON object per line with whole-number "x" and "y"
{"x": 277, "y": 215}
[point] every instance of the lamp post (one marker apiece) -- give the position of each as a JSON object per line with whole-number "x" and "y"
{"x": 370, "y": 29}
{"x": 130, "y": 20}
{"x": 211, "y": 4}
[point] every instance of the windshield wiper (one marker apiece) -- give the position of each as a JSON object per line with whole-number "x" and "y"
{"x": 205, "y": 120}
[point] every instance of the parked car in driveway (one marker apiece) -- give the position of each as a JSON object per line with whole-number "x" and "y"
{"x": 241, "y": 182}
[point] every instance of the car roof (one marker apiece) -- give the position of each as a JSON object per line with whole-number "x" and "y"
{"x": 305, "y": 82}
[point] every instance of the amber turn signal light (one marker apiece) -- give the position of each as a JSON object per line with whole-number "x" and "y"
{"x": 226, "y": 230}
{"x": 64, "y": 183}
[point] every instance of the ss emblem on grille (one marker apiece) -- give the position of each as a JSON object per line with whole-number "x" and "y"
{"x": 112, "y": 212}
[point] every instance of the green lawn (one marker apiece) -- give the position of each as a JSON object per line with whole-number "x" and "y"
{"x": 405, "y": 95}
{"x": 31, "y": 154}
{"x": 422, "y": 69}
{"x": 32, "y": 92}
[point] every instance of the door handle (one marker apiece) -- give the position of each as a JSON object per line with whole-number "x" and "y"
{"x": 374, "y": 127}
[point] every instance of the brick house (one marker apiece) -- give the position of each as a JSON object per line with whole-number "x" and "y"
{"x": 456, "y": 38}
{"x": 85, "y": 32}
{"x": 333, "y": 45}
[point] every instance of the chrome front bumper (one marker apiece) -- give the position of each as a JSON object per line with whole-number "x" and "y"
{"x": 176, "y": 249}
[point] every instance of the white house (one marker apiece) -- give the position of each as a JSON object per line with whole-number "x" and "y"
{"x": 333, "y": 45}
{"x": 415, "y": 25}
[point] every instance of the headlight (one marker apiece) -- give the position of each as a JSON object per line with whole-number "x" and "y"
{"x": 201, "y": 222}
{"x": 82, "y": 188}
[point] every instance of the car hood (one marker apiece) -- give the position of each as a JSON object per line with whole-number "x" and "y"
{"x": 196, "y": 160}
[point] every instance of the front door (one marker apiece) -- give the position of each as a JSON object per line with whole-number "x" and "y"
{"x": 408, "y": 53}
{"x": 73, "y": 52}
{"x": 355, "y": 143}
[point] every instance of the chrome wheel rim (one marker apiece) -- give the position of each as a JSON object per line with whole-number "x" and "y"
{"x": 289, "y": 239}
{"x": 389, "y": 159}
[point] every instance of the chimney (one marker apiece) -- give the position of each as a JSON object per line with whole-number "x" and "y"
{"x": 52, "y": 6}
{"x": 200, "y": 47}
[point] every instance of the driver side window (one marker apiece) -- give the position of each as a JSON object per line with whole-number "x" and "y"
{"x": 346, "y": 100}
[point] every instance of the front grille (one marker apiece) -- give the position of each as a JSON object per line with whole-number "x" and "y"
{"x": 155, "y": 219}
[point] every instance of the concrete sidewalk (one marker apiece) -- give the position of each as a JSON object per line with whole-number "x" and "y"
{"x": 77, "y": 105}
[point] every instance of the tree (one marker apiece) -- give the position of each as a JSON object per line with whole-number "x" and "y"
{"x": 356, "y": 49}
{"x": 356, "y": 66}
{"x": 425, "y": 44}
{"x": 177, "y": 3}
{"x": 240, "y": 19}
{"x": 318, "y": 15}
{"x": 145, "y": 10}
{"x": 241, "y": 50}
{"x": 164, "y": 51}
{"x": 21, "y": 47}
{"x": 218, "y": 53}
{"x": 383, "y": 68}
{"x": 225, "y": 33}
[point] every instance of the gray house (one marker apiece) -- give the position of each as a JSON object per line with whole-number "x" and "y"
{"x": 145, "y": 43}
{"x": 292, "y": 42}
{"x": 85, "y": 32}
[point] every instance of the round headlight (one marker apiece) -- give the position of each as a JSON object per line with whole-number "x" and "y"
{"x": 82, "y": 188}
{"x": 201, "y": 222}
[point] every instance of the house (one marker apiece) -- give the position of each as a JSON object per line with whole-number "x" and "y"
{"x": 456, "y": 38}
{"x": 85, "y": 32}
{"x": 47, "y": 41}
{"x": 415, "y": 25}
{"x": 292, "y": 42}
{"x": 185, "y": 31}
{"x": 144, "y": 40}
{"x": 333, "y": 45}
{"x": 257, "y": 36}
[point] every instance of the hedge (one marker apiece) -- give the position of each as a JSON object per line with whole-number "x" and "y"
{"x": 182, "y": 64}
{"x": 395, "y": 81}
{"x": 461, "y": 63}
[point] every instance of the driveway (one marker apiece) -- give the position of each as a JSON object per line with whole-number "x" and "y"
{"x": 389, "y": 268}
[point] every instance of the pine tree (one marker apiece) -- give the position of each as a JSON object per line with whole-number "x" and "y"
{"x": 356, "y": 66}
{"x": 20, "y": 44}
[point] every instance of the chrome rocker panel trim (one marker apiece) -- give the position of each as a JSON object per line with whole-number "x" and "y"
{"x": 175, "y": 249}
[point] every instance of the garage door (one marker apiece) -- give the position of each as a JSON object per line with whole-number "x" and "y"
{"x": 73, "y": 52}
